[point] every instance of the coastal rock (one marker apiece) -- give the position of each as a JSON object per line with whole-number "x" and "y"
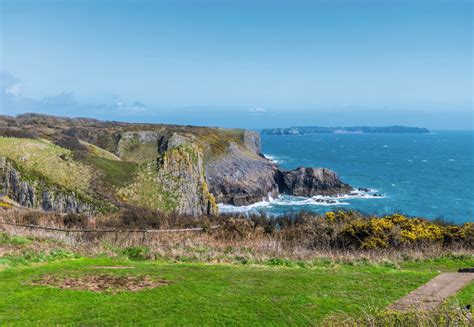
{"x": 241, "y": 177}
{"x": 181, "y": 174}
{"x": 166, "y": 142}
{"x": 170, "y": 167}
{"x": 310, "y": 182}
{"x": 174, "y": 180}
{"x": 39, "y": 194}
{"x": 252, "y": 141}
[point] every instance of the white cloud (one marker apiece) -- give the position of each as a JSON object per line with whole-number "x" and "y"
{"x": 258, "y": 109}
{"x": 65, "y": 103}
{"x": 9, "y": 84}
{"x": 13, "y": 89}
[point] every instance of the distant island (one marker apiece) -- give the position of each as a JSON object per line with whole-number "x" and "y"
{"x": 300, "y": 130}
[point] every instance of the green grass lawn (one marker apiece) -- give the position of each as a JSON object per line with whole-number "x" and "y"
{"x": 466, "y": 295}
{"x": 216, "y": 294}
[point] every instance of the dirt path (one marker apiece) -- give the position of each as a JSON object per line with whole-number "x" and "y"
{"x": 433, "y": 293}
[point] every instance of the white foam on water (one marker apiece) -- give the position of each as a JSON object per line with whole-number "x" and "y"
{"x": 292, "y": 201}
{"x": 274, "y": 159}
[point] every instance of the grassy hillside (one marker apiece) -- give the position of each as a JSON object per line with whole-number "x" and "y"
{"x": 106, "y": 135}
{"x": 39, "y": 158}
{"x": 92, "y": 172}
{"x": 114, "y": 173}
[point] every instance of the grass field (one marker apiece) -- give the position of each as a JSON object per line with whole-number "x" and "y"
{"x": 466, "y": 296}
{"x": 215, "y": 294}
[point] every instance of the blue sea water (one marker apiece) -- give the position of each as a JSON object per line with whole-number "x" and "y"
{"x": 425, "y": 175}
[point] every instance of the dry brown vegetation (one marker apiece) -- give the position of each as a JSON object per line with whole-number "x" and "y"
{"x": 100, "y": 282}
{"x": 254, "y": 239}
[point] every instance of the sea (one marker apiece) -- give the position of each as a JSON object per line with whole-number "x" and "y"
{"x": 419, "y": 175}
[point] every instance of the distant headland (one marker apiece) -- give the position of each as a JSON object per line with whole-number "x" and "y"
{"x": 300, "y": 130}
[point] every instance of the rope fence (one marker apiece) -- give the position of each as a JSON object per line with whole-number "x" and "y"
{"x": 197, "y": 229}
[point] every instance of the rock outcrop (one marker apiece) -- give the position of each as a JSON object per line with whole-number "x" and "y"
{"x": 186, "y": 169}
{"x": 241, "y": 176}
{"x": 310, "y": 182}
{"x": 38, "y": 194}
{"x": 244, "y": 176}
{"x": 181, "y": 172}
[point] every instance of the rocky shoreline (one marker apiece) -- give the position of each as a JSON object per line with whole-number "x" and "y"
{"x": 242, "y": 178}
{"x": 184, "y": 169}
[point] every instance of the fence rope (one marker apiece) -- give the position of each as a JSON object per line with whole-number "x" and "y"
{"x": 197, "y": 229}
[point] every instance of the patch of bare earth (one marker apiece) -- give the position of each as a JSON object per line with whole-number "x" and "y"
{"x": 101, "y": 282}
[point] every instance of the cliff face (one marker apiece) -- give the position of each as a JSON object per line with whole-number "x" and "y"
{"x": 174, "y": 181}
{"x": 243, "y": 176}
{"x": 38, "y": 194}
{"x": 310, "y": 182}
{"x": 186, "y": 169}
{"x": 181, "y": 169}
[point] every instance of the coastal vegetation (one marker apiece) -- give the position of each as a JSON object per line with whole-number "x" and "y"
{"x": 42, "y": 281}
{"x": 284, "y": 240}
{"x": 41, "y": 159}
{"x": 89, "y": 166}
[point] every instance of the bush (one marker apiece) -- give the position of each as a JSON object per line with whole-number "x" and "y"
{"x": 238, "y": 228}
{"x": 138, "y": 218}
{"x": 75, "y": 220}
{"x": 137, "y": 252}
{"x": 16, "y": 132}
{"x": 70, "y": 143}
{"x": 467, "y": 234}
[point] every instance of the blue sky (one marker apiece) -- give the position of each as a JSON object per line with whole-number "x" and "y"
{"x": 241, "y": 63}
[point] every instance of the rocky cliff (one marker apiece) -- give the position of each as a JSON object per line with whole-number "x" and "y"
{"x": 38, "y": 193}
{"x": 186, "y": 169}
{"x": 242, "y": 176}
{"x": 174, "y": 181}
{"x": 310, "y": 182}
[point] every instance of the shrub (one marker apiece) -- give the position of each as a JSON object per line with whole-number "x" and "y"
{"x": 137, "y": 252}
{"x": 16, "y": 132}
{"x": 75, "y": 220}
{"x": 238, "y": 228}
{"x": 467, "y": 234}
{"x": 137, "y": 217}
{"x": 70, "y": 143}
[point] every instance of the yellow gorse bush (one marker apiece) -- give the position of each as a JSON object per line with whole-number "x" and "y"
{"x": 394, "y": 230}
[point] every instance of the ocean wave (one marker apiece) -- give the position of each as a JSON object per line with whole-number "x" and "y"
{"x": 274, "y": 159}
{"x": 296, "y": 201}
